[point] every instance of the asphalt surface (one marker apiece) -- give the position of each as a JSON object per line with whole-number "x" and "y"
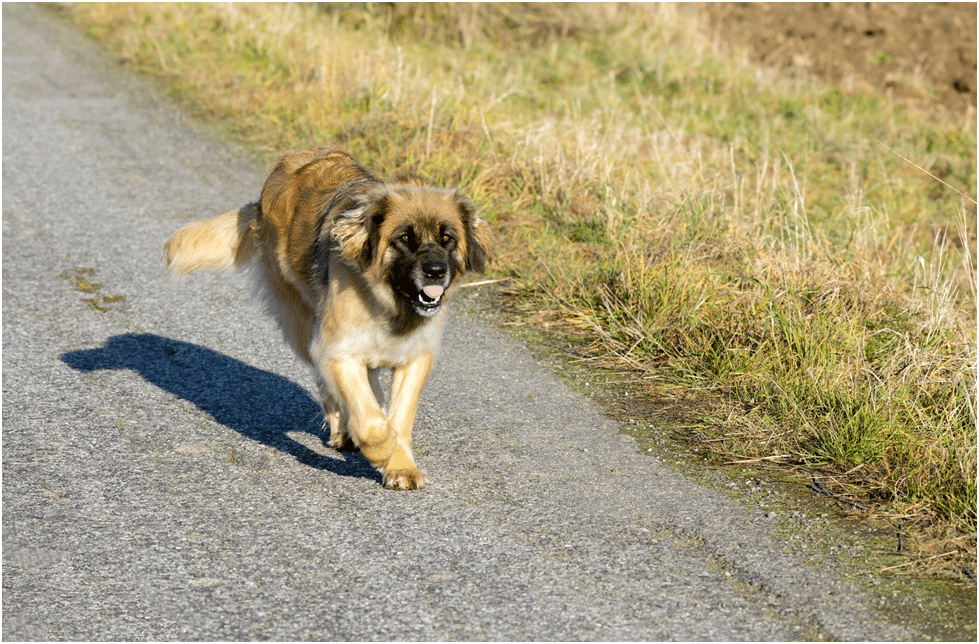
{"x": 164, "y": 471}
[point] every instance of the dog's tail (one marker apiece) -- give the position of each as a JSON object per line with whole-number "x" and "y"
{"x": 222, "y": 242}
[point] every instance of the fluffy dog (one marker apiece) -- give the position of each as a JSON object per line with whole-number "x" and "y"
{"x": 355, "y": 270}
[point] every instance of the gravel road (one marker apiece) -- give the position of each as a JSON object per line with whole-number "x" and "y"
{"x": 164, "y": 472}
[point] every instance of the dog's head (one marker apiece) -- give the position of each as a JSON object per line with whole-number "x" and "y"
{"x": 416, "y": 239}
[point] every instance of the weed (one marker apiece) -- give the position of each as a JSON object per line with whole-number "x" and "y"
{"x": 79, "y": 279}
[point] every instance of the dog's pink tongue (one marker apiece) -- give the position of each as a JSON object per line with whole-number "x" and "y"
{"x": 433, "y": 291}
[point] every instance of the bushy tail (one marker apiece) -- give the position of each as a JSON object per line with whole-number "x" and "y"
{"x": 212, "y": 244}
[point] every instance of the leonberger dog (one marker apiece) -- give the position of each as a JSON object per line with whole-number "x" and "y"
{"x": 356, "y": 271}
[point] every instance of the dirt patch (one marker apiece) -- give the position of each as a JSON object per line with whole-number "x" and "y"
{"x": 916, "y": 52}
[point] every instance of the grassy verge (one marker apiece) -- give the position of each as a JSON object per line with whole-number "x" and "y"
{"x": 761, "y": 240}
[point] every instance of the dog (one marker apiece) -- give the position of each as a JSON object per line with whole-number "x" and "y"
{"x": 356, "y": 271}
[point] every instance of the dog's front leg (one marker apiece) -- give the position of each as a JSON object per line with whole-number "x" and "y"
{"x": 400, "y": 472}
{"x": 349, "y": 384}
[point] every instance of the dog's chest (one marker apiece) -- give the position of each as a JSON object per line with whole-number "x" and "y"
{"x": 376, "y": 347}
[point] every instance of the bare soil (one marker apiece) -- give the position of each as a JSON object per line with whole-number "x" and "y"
{"x": 916, "y": 52}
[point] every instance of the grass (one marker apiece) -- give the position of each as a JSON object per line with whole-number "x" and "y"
{"x": 802, "y": 255}
{"x": 79, "y": 278}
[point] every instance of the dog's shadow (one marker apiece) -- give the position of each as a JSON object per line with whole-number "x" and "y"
{"x": 257, "y": 404}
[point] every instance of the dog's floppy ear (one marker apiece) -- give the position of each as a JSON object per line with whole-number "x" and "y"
{"x": 478, "y": 236}
{"x": 356, "y": 230}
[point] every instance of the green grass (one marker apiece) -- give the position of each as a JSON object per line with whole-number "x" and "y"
{"x": 699, "y": 222}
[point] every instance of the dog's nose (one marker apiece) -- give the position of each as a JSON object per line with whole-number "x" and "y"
{"x": 435, "y": 270}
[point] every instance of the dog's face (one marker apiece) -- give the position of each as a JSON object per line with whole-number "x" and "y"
{"x": 415, "y": 239}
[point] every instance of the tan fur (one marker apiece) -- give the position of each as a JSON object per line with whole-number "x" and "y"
{"x": 213, "y": 243}
{"x": 343, "y": 259}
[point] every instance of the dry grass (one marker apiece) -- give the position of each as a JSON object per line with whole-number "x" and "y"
{"x": 764, "y": 240}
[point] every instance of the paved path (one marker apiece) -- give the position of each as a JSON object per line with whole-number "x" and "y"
{"x": 164, "y": 475}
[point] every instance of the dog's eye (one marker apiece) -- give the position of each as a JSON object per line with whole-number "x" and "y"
{"x": 405, "y": 238}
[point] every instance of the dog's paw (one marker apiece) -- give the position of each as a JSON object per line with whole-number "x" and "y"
{"x": 341, "y": 442}
{"x": 406, "y": 479}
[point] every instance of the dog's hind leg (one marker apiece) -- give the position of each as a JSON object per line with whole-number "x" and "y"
{"x": 334, "y": 418}
{"x": 374, "y": 376}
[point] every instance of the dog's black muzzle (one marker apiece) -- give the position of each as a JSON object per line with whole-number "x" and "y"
{"x": 426, "y": 281}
